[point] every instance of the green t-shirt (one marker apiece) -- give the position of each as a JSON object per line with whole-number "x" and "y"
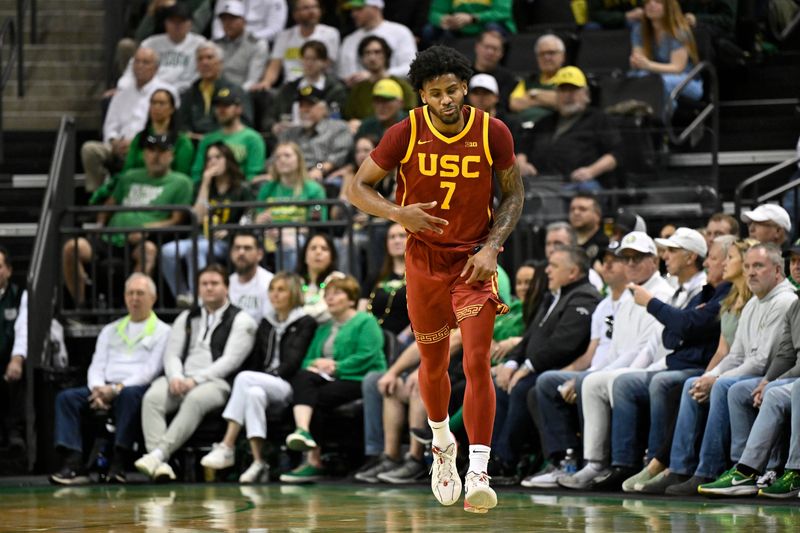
{"x": 275, "y": 191}
{"x": 503, "y": 285}
{"x": 136, "y": 188}
{"x": 510, "y": 324}
{"x": 247, "y": 146}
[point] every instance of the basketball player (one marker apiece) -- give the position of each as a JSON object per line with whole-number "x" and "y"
{"x": 447, "y": 153}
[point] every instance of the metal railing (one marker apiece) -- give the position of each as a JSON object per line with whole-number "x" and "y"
{"x": 42, "y": 274}
{"x": 757, "y": 180}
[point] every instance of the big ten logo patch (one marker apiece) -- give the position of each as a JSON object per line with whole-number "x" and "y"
{"x": 449, "y": 165}
{"x": 470, "y": 144}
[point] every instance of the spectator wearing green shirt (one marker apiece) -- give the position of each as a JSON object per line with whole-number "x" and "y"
{"x": 161, "y": 120}
{"x": 288, "y": 180}
{"x": 153, "y": 185}
{"x": 246, "y": 143}
{"x": 460, "y": 18}
{"x": 222, "y": 184}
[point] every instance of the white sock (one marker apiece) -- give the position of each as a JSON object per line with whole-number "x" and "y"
{"x": 441, "y": 433}
{"x": 479, "y": 458}
{"x": 158, "y": 454}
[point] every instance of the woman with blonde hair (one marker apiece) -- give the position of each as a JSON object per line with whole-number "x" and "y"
{"x": 663, "y": 44}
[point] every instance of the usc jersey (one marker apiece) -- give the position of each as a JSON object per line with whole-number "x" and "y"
{"x": 455, "y": 171}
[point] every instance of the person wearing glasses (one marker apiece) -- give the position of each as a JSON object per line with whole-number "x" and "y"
{"x": 534, "y": 97}
{"x": 554, "y": 400}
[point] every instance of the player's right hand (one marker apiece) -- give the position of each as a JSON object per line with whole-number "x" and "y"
{"x": 414, "y": 218}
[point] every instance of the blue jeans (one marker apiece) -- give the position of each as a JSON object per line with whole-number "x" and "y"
{"x": 689, "y": 428}
{"x": 633, "y": 393}
{"x": 73, "y": 404}
{"x": 182, "y": 250}
{"x": 559, "y": 425}
{"x": 373, "y": 414}
{"x": 512, "y": 418}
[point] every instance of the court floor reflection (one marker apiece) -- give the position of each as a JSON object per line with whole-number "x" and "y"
{"x": 328, "y": 507}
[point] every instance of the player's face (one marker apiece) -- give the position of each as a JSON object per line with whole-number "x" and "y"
{"x": 445, "y": 96}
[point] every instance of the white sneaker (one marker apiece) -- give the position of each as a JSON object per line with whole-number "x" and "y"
{"x": 479, "y": 497}
{"x": 545, "y": 479}
{"x": 585, "y": 478}
{"x": 445, "y": 483}
{"x": 164, "y": 473}
{"x": 219, "y": 457}
{"x": 147, "y": 464}
{"x": 255, "y": 473}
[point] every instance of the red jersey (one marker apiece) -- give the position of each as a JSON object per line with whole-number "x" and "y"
{"x": 456, "y": 172}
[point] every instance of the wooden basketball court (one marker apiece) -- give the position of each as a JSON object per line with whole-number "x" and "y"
{"x": 328, "y": 507}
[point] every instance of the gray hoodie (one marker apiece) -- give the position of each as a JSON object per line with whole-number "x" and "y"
{"x": 786, "y": 362}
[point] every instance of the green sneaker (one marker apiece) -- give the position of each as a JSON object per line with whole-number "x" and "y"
{"x": 786, "y": 486}
{"x": 300, "y": 441}
{"x": 731, "y": 483}
{"x": 305, "y": 473}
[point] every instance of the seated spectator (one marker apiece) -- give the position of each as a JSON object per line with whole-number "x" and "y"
{"x": 534, "y": 97}
{"x": 663, "y": 44}
{"x": 285, "y": 61}
{"x": 387, "y": 100}
{"x": 127, "y": 358}
{"x": 368, "y": 18}
{"x": 374, "y": 55}
{"x": 288, "y": 180}
{"x": 462, "y": 18}
{"x": 558, "y": 334}
{"x": 245, "y": 55}
{"x": 249, "y": 283}
{"x": 153, "y": 185}
{"x": 205, "y": 349}
{"x": 12, "y": 361}
{"x": 222, "y": 183}
{"x": 323, "y": 141}
{"x": 286, "y": 109}
{"x": 341, "y": 353}
{"x": 198, "y": 111}
{"x": 793, "y": 254}
{"x": 586, "y": 217}
{"x": 318, "y": 269}
{"x": 768, "y": 223}
{"x": 265, "y": 18}
{"x": 161, "y": 120}
{"x": 748, "y": 357}
{"x": 153, "y": 20}
{"x": 626, "y": 221}
{"x": 176, "y": 48}
{"x": 718, "y": 225}
{"x": 126, "y": 116}
{"x": 282, "y": 341}
{"x": 577, "y": 144}
{"x": 730, "y": 311}
{"x": 489, "y": 51}
{"x": 613, "y": 14}
{"x": 412, "y": 14}
{"x": 246, "y": 143}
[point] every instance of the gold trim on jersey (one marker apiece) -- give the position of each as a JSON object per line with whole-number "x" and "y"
{"x": 486, "y": 149}
{"x": 431, "y": 338}
{"x": 405, "y": 184}
{"x": 412, "y": 118}
{"x": 459, "y": 135}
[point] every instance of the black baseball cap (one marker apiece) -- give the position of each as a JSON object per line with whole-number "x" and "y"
{"x": 177, "y": 10}
{"x": 310, "y": 94}
{"x": 226, "y": 96}
{"x": 159, "y": 141}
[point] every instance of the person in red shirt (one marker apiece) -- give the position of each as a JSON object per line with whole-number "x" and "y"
{"x": 448, "y": 155}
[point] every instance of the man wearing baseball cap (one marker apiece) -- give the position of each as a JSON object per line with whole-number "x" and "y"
{"x": 633, "y": 329}
{"x": 245, "y": 54}
{"x": 577, "y": 143}
{"x": 387, "y": 101}
{"x": 768, "y": 223}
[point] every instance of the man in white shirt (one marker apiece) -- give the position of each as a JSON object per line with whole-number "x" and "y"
{"x": 177, "y": 49}
{"x": 205, "y": 348}
{"x": 249, "y": 283}
{"x": 126, "y": 116}
{"x": 368, "y": 17}
{"x": 128, "y": 356}
{"x": 265, "y": 18}
{"x": 286, "y": 57}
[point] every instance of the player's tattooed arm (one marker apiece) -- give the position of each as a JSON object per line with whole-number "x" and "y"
{"x": 510, "y": 209}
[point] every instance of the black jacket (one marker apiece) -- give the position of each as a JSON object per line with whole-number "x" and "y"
{"x": 293, "y": 347}
{"x": 556, "y": 341}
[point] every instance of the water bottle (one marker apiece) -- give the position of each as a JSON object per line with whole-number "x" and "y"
{"x": 101, "y": 464}
{"x": 570, "y": 462}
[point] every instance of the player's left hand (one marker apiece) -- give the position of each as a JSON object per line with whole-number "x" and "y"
{"x": 483, "y": 265}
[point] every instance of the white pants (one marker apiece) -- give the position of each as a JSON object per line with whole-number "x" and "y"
{"x": 597, "y": 401}
{"x": 253, "y": 393}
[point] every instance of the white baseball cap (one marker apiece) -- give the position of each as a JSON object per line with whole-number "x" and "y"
{"x": 769, "y": 213}
{"x": 231, "y": 7}
{"x": 686, "y": 239}
{"x": 484, "y": 81}
{"x": 638, "y": 241}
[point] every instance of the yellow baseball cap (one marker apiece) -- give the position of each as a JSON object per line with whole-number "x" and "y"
{"x": 569, "y": 76}
{"x": 387, "y": 88}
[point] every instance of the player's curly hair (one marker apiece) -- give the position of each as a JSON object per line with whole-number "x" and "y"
{"x": 437, "y": 61}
